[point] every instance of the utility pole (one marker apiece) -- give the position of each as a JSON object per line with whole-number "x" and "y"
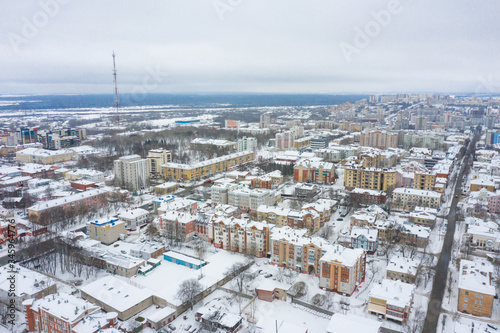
{"x": 117, "y": 101}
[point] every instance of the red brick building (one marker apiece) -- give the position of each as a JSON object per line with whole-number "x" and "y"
{"x": 306, "y": 171}
{"x": 82, "y": 185}
{"x": 65, "y": 313}
{"x": 88, "y": 200}
{"x": 261, "y": 182}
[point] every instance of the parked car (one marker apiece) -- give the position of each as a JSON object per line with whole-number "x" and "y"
{"x": 268, "y": 275}
{"x": 188, "y": 328}
{"x": 172, "y": 327}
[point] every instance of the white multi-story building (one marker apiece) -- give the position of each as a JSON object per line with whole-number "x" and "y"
{"x": 219, "y": 192}
{"x": 409, "y": 198}
{"x": 132, "y": 172}
{"x": 247, "y": 144}
{"x": 285, "y": 140}
{"x": 248, "y": 200}
{"x": 134, "y": 217}
{"x": 156, "y": 158}
{"x": 241, "y": 235}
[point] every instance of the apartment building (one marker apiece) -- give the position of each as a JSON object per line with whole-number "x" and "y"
{"x": 364, "y": 238}
{"x": 424, "y": 180}
{"x": 156, "y": 158}
{"x": 192, "y": 172}
{"x": 77, "y": 203}
{"x": 107, "y": 231}
{"x": 305, "y": 219}
{"x": 132, "y": 172}
{"x": 409, "y": 198}
{"x": 308, "y": 171}
{"x": 261, "y": 182}
{"x": 324, "y": 207}
{"x": 391, "y": 299}
{"x": 422, "y": 218}
{"x": 368, "y": 197}
{"x": 302, "y": 142}
{"x": 369, "y": 178}
{"x": 177, "y": 225}
{"x": 285, "y": 140}
{"x": 422, "y": 139}
{"x": 342, "y": 269}
{"x": 275, "y": 215}
{"x": 249, "y": 200}
{"x": 29, "y": 285}
{"x": 480, "y": 183}
{"x": 218, "y": 192}
{"x": 414, "y": 234}
{"x": 476, "y": 289}
{"x": 247, "y": 144}
{"x": 379, "y": 139}
{"x": 243, "y": 236}
{"x": 402, "y": 269}
{"x": 63, "y": 138}
{"x": 65, "y": 313}
{"x": 134, "y": 218}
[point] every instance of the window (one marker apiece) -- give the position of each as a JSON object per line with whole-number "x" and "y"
{"x": 465, "y": 306}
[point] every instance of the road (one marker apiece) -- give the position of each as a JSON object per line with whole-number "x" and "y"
{"x": 440, "y": 278}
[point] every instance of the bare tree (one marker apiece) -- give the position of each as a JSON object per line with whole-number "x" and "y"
{"x": 237, "y": 272}
{"x": 299, "y": 289}
{"x": 201, "y": 249}
{"x": 326, "y": 232}
{"x": 188, "y": 290}
{"x": 416, "y": 324}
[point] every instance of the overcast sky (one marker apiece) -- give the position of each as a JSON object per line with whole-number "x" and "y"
{"x": 309, "y": 46}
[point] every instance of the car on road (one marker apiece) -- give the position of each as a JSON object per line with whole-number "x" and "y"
{"x": 268, "y": 275}
{"x": 340, "y": 219}
{"x": 456, "y": 195}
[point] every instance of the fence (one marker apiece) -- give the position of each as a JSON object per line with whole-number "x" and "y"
{"x": 312, "y": 307}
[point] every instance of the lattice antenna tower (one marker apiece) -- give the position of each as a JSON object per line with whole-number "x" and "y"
{"x": 117, "y": 100}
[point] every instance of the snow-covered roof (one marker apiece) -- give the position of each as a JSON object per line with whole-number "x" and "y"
{"x": 369, "y": 234}
{"x": 394, "y": 292}
{"x": 352, "y": 323}
{"x": 476, "y": 276}
{"x": 40, "y": 206}
{"x": 180, "y": 217}
{"x": 270, "y": 285}
{"x": 344, "y": 255}
{"x": 403, "y": 265}
{"x": 132, "y": 214}
{"x": 116, "y": 293}
{"x": 417, "y": 230}
{"x": 65, "y": 306}
{"x": 161, "y": 314}
{"x": 28, "y": 282}
{"x": 414, "y": 191}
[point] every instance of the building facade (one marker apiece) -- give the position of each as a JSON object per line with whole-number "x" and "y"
{"x": 132, "y": 172}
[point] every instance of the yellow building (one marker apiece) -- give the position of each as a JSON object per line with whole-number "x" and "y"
{"x": 156, "y": 158}
{"x": 107, "y": 232}
{"x": 275, "y": 215}
{"x": 369, "y": 178}
{"x": 424, "y": 180}
{"x": 475, "y": 288}
{"x": 480, "y": 183}
{"x": 192, "y": 172}
{"x": 302, "y": 142}
{"x": 44, "y": 156}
